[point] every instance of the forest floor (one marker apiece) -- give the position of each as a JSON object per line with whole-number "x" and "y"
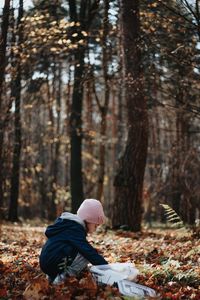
{"x": 168, "y": 260}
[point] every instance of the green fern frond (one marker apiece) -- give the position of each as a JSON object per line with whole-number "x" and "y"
{"x": 172, "y": 216}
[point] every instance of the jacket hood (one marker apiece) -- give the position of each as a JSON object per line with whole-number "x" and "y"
{"x": 72, "y": 217}
{"x": 60, "y": 224}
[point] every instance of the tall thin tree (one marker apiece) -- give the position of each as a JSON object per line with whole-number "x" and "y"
{"x": 103, "y": 107}
{"x": 16, "y": 93}
{"x": 129, "y": 178}
{"x": 3, "y": 43}
{"x": 84, "y": 15}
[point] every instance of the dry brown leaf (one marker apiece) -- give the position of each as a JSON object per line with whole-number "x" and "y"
{"x": 88, "y": 283}
{"x": 36, "y": 289}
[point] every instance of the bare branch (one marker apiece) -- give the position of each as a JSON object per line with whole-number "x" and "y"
{"x": 179, "y": 14}
{"x": 189, "y": 8}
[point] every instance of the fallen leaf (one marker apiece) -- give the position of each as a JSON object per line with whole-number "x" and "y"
{"x": 3, "y": 292}
{"x": 36, "y": 289}
{"x": 88, "y": 283}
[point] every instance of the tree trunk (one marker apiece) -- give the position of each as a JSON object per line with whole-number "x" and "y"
{"x": 76, "y": 133}
{"x": 3, "y": 42}
{"x": 102, "y": 150}
{"x": 104, "y": 108}
{"x": 89, "y": 143}
{"x": 76, "y": 181}
{"x": 87, "y": 12}
{"x": 129, "y": 179}
{"x": 14, "y": 191}
{"x": 56, "y": 143}
{"x": 51, "y": 201}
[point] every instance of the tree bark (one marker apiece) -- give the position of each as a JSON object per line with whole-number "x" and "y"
{"x": 104, "y": 108}
{"x": 56, "y": 144}
{"x": 76, "y": 133}
{"x": 14, "y": 191}
{"x": 86, "y": 14}
{"x": 129, "y": 179}
{"x": 3, "y": 42}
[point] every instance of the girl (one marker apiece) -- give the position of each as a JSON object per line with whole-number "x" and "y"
{"x": 67, "y": 251}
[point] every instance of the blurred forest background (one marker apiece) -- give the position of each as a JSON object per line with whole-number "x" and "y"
{"x": 100, "y": 99}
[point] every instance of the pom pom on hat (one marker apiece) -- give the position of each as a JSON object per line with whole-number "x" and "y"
{"x": 91, "y": 210}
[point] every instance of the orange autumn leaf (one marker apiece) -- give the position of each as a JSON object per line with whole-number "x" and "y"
{"x": 88, "y": 283}
{"x": 36, "y": 289}
{"x": 150, "y": 251}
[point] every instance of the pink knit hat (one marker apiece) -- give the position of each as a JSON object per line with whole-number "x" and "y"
{"x": 91, "y": 210}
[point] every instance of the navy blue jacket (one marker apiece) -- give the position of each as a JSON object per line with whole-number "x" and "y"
{"x": 66, "y": 238}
